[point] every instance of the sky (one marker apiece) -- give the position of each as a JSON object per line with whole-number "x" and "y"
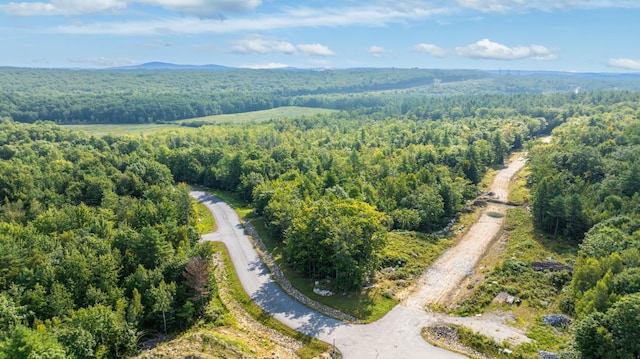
{"x": 554, "y": 35}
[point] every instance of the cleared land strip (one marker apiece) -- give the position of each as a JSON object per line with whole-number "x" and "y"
{"x": 443, "y": 277}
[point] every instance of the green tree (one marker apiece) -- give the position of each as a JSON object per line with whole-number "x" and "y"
{"x": 163, "y": 296}
{"x": 593, "y": 339}
{"x": 135, "y": 310}
{"x": 336, "y": 239}
{"x": 613, "y": 334}
{"x": 499, "y": 148}
{"x": 99, "y": 324}
{"x": 26, "y": 343}
{"x": 184, "y": 205}
{"x": 11, "y": 314}
{"x": 624, "y": 322}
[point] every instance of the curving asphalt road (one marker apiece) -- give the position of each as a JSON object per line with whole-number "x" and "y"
{"x": 396, "y": 336}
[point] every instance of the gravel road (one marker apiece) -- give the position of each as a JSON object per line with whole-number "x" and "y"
{"x": 442, "y": 278}
{"x": 397, "y": 335}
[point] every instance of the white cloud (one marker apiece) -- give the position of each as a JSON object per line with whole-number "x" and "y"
{"x": 204, "y": 8}
{"x": 430, "y": 49}
{"x": 259, "y": 45}
{"x": 103, "y": 61}
{"x": 201, "y": 8}
{"x": 315, "y": 50}
{"x": 629, "y": 64}
{"x": 519, "y": 6}
{"x": 300, "y": 17}
{"x": 62, "y": 7}
{"x": 376, "y": 51}
{"x": 487, "y": 49}
{"x": 378, "y": 13}
{"x": 271, "y": 65}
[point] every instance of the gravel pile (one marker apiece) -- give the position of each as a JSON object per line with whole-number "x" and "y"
{"x": 444, "y": 333}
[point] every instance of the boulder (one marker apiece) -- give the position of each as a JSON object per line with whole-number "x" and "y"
{"x": 556, "y": 320}
{"x": 548, "y": 355}
{"x": 550, "y": 266}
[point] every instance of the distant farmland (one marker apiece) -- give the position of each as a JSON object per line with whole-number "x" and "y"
{"x": 147, "y": 129}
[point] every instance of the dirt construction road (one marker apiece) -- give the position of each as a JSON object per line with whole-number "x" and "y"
{"x": 397, "y": 335}
{"x": 441, "y": 280}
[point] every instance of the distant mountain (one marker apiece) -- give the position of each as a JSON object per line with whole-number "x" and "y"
{"x": 170, "y": 66}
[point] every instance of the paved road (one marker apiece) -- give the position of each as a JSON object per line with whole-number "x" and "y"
{"x": 396, "y": 336}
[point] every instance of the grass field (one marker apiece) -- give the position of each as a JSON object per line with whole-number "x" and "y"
{"x": 259, "y": 116}
{"x": 126, "y": 129}
{"x": 148, "y": 129}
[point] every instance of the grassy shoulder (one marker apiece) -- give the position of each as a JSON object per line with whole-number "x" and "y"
{"x": 312, "y": 347}
{"x": 206, "y": 222}
{"x": 224, "y": 330}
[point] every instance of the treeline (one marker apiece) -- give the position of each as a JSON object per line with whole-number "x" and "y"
{"x": 148, "y": 96}
{"x": 586, "y": 188}
{"x": 143, "y": 96}
{"x": 97, "y": 246}
{"x": 415, "y": 171}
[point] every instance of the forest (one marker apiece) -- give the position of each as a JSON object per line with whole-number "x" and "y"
{"x": 98, "y": 238}
{"x": 97, "y": 245}
{"x": 586, "y": 188}
{"x": 151, "y": 96}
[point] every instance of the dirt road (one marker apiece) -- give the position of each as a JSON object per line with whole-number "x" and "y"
{"x": 442, "y": 278}
{"x": 397, "y": 335}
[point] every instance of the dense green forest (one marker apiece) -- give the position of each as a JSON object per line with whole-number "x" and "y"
{"x": 586, "y": 188}
{"x": 148, "y": 96}
{"x": 97, "y": 246}
{"x": 142, "y": 96}
{"x": 97, "y": 237}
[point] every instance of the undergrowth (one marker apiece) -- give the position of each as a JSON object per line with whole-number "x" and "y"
{"x": 539, "y": 293}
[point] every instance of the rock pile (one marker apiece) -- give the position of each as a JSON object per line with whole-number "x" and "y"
{"x": 548, "y": 355}
{"x": 442, "y": 332}
{"x": 550, "y": 266}
{"x": 556, "y": 320}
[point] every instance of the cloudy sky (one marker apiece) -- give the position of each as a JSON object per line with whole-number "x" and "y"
{"x": 564, "y": 35}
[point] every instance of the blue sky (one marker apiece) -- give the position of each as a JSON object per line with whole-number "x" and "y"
{"x": 562, "y": 35}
